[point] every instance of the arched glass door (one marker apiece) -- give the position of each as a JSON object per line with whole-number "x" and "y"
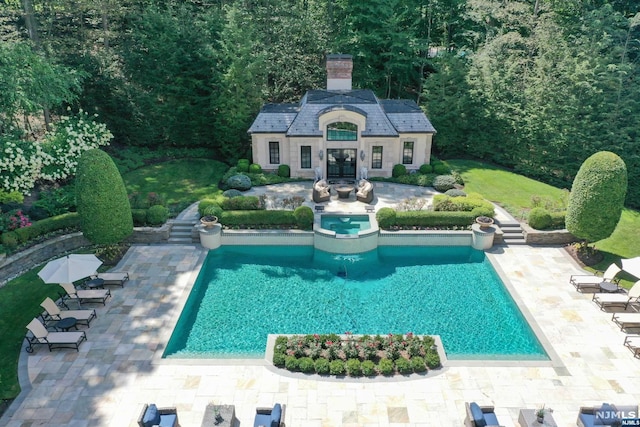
{"x": 341, "y": 163}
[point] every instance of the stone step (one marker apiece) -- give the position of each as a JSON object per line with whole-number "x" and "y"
{"x": 180, "y": 241}
{"x": 512, "y": 241}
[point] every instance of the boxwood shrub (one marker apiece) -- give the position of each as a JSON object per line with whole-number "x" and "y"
{"x": 418, "y": 364}
{"x": 403, "y": 366}
{"x": 139, "y": 217}
{"x": 441, "y": 169}
{"x": 385, "y": 367}
{"x": 425, "y": 169}
{"x": 284, "y": 171}
{"x": 291, "y": 363}
{"x": 304, "y": 217}
{"x": 398, "y": 170}
{"x": 306, "y": 364}
{"x": 157, "y": 215}
{"x": 353, "y": 367}
{"x": 368, "y": 368}
{"x": 336, "y": 367}
{"x": 443, "y": 183}
{"x": 322, "y": 366}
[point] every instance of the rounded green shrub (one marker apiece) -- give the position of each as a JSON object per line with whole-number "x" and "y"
{"x": 10, "y": 197}
{"x": 213, "y": 210}
{"x": 306, "y": 364}
{"x": 255, "y": 168}
{"x": 232, "y": 193}
{"x": 597, "y": 197}
{"x": 291, "y": 363}
{"x": 243, "y": 165}
{"x": 279, "y": 359}
{"x": 103, "y": 205}
{"x": 483, "y": 211}
{"x": 239, "y": 182}
{"x": 454, "y": 192}
{"x": 157, "y": 215}
{"x": 284, "y": 171}
{"x": 353, "y": 367}
{"x": 368, "y": 368}
{"x": 9, "y": 240}
{"x": 322, "y": 366}
{"x": 418, "y": 364}
{"x": 404, "y": 366}
{"x": 432, "y": 359}
{"x": 304, "y": 217}
{"x": 139, "y": 217}
{"x": 386, "y": 217}
{"x": 443, "y": 183}
{"x": 425, "y": 169}
{"x": 385, "y": 367}
{"x": 336, "y": 367}
{"x": 398, "y": 170}
{"x": 441, "y": 169}
{"x": 539, "y": 218}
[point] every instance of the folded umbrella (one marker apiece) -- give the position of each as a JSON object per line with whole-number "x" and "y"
{"x": 632, "y": 266}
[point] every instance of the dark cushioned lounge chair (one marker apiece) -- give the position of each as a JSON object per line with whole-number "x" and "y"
{"x": 151, "y": 416}
{"x": 270, "y": 417}
{"x": 480, "y": 416}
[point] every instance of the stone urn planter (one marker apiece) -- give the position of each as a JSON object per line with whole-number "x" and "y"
{"x": 209, "y": 221}
{"x": 484, "y": 221}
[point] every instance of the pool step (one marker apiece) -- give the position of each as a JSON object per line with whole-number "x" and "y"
{"x": 183, "y": 232}
{"x": 512, "y": 233}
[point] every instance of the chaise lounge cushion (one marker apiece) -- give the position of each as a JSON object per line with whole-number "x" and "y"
{"x": 275, "y": 415}
{"x": 477, "y": 415}
{"x": 151, "y": 416}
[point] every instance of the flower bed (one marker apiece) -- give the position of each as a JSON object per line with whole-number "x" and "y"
{"x": 356, "y": 355}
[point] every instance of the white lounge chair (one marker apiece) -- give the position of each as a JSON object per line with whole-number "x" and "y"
{"x": 605, "y": 301}
{"x": 581, "y": 281}
{"x": 40, "y": 335}
{"x": 112, "y": 277}
{"x": 632, "y": 342}
{"x": 84, "y": 295}
{"x": 627, "y": 320}
{"x": 53, "y": 313}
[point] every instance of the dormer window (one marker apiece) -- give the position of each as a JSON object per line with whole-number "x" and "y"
{"x": 342, "y": 131}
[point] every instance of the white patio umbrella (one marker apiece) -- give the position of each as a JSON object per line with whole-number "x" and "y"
{"x": 70, "y": 268}
{"x": 632, "y": 266}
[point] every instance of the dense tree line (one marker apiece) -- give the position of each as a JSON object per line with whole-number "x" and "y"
{"x": 534, "y": 85}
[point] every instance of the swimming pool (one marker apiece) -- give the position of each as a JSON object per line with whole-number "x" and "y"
{"x": 242, "y": 294}
{"x": 345, "y": 224}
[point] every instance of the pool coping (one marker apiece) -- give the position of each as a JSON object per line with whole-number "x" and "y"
{"x": 554, "y": 360}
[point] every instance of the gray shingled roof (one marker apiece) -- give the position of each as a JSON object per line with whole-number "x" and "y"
{"x": 384, "y": 117}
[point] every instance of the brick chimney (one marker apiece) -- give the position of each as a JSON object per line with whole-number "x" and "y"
{"x": 339, "y": 69}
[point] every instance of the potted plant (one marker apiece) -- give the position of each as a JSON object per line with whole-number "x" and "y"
{"x": 540, "y": 415}
{"x": 210, "y": 216}
{"x": 484, "y": 221}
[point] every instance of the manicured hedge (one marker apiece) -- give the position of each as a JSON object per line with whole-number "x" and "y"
{"x": 38, "y": 228}
{"x": 242, "y": 203}
{"x": 102, "y": 199}
{"x": 434, "y": 219}
{"x": 258, "y": 218}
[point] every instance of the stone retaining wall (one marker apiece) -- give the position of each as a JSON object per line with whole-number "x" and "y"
{"x": 16, "y": 264}
{"x": 547, "y": 238}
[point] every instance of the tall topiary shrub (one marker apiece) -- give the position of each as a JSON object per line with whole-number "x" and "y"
{"x": 103, "y": 206}
{"x": 597, "y": 197}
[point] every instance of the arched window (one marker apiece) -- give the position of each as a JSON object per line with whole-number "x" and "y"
{"x": 342, "y": 131}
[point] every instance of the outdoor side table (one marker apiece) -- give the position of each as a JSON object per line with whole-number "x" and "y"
{"x": 608, "y": 287}
{"x": 66, "y": 324}
{"x": 527, "y": 418}
{"x": 228, "y": 413}
{"x": 96, "y": 283}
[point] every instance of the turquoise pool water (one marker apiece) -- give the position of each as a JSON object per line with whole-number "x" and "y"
{"x": 244, "y": 293}
{"x": 345, "y": 224}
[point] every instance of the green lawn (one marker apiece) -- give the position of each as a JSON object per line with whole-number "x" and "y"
{"x": 19, "y": 303}
{"x": 181, "y": 181}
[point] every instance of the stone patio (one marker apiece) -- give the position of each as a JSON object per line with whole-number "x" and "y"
{"x": 120, "y": 367}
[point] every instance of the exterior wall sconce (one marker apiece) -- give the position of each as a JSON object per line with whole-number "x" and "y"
{"x": 362, "y": 154}
{"x": 321, "y": 154}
